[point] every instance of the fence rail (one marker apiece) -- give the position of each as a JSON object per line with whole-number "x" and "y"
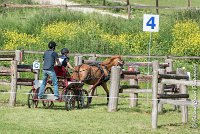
{"x": 108, "y": 55}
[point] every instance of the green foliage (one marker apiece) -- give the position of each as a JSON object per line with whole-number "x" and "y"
{"x": 16, "y": 1}
{"x": 186, "y": 38}
{"x": 92, "y": 33}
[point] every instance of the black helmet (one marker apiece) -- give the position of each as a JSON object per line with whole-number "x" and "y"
{"x": 64, "y": 50}
{"x": 52, "y": 44}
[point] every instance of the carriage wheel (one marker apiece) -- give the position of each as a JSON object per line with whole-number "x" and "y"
{"x": 83, "y": 100}
{"x": 32, "y": 103}
{"x": 70, "y": 100}
{"x": 47, "y": 103}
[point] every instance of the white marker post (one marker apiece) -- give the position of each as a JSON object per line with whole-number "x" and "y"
{"x": 150, "y": 24}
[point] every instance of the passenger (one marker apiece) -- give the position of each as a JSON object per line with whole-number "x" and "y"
{"x": 64, "y": 59}
{"x": 50, "y": 58}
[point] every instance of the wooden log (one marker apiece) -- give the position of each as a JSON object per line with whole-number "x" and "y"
{"x": 172, "y": 90}
{"x": 114, "y": 88}
{"x": 25, "y": 81}
{"x": 13, "y": 85}
{"x": 172, "y": 76}
{"x": 178, "y": 102}
{"x": 154, "y": 94}
{"x": 172, "y": 96}
{"x": 162, "y": 65}
{"x": 24, "y": 68}
{"x": 129, "y": 86}
{"x": 130, "y": 72}
{"x": 171, "y": 72}
{"x": 187, "y": 83}
{"x": 137, "y": 91}
{"x": 4, "y": 82}
{"x": 5, "y": 74}
{"x": 169, "y": 86}
{"x": 139, "y": 77}
{"x": 7, "y": 57}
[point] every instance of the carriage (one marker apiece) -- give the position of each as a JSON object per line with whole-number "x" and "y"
{"x": 71, "y": 92}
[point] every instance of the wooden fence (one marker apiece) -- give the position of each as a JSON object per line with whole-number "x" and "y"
{"x": 14, "y": 73}
{"x": 158, "y": 95}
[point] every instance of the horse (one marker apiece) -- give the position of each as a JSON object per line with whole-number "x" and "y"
{"x": 96, "y": 74}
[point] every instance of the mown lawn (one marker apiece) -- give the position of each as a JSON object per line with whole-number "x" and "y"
{"x": 92, "y": 120}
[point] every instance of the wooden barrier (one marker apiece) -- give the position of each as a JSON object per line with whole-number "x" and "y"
{"x": 14, "y": 71}
{"x": 180, "y": 98}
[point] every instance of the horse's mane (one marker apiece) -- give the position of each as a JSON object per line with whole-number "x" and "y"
{"x": 107, "y": 61}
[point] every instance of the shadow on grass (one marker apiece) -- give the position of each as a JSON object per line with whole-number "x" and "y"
{"x": 138, "y": 109}
{"x": 171, "y": 124}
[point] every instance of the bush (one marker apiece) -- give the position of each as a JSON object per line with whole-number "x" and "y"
{"x": 186, "y": 39}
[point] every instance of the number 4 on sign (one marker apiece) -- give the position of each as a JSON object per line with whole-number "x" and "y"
{"x": 150, "y": 23}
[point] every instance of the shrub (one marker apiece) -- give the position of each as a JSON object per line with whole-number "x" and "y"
{"x": 186, "y": 39}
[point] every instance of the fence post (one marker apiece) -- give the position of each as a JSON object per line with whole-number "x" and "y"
{"x": 170, "y": 62}
{"x": 13, "y": 85}
{"x": 104, "y": 2}
{"x": 129, "y": 11}
{"x": 18, "y": 55}
{"x": 78, "y": 60}
{"x": 157, "y": 6}
{"x": 183, "y": 90}
{"x": 189, "y": 3}
{"x": 133, "y": 96}
{"x": 127, "y": 2}
{"x": 154, "y": 94}
{"x": 160, "y": 90}
{"x": 114, "y": 89}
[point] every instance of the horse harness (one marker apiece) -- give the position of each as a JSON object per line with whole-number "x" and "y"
{"x": 102, "y": 79}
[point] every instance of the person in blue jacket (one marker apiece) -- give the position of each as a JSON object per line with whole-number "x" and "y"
{"x": 50, "y": 58}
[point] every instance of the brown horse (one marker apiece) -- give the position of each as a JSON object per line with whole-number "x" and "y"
{"x": 96, "y": 74}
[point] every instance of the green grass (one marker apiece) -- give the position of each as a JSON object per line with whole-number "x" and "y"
{"x": 94, "y": 119}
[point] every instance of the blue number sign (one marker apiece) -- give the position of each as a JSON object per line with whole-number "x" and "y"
{"x": 150, "y": 23}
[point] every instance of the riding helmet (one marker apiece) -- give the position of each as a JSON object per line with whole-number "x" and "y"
{"x": 52, "y": 44}
{"x": 64, "y": 50}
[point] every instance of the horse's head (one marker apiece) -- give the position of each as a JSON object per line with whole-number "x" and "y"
{"x": 117, "y": 61}
{"x": 113, "y": 61}
{"x": 75, "y": 74}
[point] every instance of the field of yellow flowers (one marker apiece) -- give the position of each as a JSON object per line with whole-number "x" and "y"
{"x": 96, "y": 34}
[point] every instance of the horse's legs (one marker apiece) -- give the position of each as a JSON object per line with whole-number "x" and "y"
{"x": 91, "y": 93}
{"x": 104, "y": 85}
